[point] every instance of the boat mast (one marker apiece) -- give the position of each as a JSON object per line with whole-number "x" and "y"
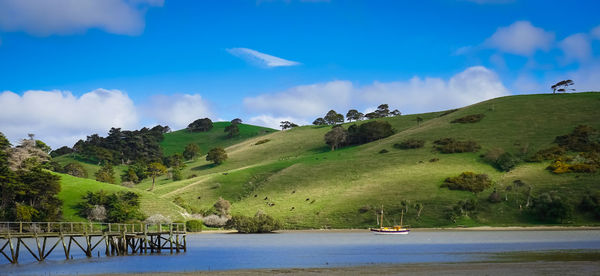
{"x": 401, "y": 217}
{"x": 381, "y": 220}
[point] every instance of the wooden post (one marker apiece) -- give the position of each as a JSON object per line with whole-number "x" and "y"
{"x": 62, "y": 238}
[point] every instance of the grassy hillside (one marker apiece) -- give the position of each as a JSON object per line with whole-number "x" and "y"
{"x": 313, "y": 187}
{"x": 73, "y": 188}
{"x": 176, "y": 141}
{"x": 296, "y": 178}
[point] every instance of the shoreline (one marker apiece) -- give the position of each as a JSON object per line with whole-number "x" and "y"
{"x": 440, "y": 229}
{"x": 467, "y": 268}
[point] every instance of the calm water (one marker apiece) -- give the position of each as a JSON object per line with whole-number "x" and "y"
{"x": 233, "y": 251}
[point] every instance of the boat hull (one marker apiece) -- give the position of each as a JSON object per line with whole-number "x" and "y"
{"x": 390, "y": 232}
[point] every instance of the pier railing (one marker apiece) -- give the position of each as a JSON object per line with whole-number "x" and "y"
{"x": 65, "y": 228}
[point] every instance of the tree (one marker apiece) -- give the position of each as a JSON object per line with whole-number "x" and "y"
{"x": 396, "y": 112}
{"x": 222, "y": 206}
{"x": 191, "y": 151}
{"x": 562, "y": 86}
{"x": 156, "y": 169}
{"x": 383, "y": 110}
{"x": 106, "y": 173}
{"x": 236, "y": 121}
{"x": 319, "y": 122}
{"x": 61, "y": 151}
{"x": 130, "y": 176}
{"x": 26, "y": 155}
{"x": 353, "y": 114}
{"x": 201, "y": 125}
{"x": 369, "y": 132}
{"x": 216, "y": 155}
{"x": 42, "y": 146}
{"x": 287, "y": 125}
{"x": 232, "y": 130}
{"x": 336, "y": 137}
{"x": 333, "y": 118}
{"x": 371, "y": 115}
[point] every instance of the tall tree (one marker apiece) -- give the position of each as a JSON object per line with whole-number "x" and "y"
{"x": 383, "y": 110}
{"x": 333, "y": 118}
{"x": 191, "y": 151}
{"x": 156, "y": 169}
{"x": 562, "y": 86}
{"x": 396, "y": 112}
{"x": 336, "y": 137}
{"x": 236, "y": 121}
{"x": 216, "y": 155}
{"x": 106, "y": 173}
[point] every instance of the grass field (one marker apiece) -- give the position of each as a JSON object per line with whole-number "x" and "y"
{"x": 296, "y": 178}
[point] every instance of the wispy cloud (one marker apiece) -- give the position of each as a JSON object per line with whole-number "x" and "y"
{"x": 261, "y": 59}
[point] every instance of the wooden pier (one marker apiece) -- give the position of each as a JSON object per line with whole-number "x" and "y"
{"x": 119, "y": 239}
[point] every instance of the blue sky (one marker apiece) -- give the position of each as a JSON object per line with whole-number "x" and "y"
{"x": 69, "y": 69}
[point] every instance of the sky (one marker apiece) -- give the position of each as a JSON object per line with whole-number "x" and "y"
{"x": 70, "y": 68}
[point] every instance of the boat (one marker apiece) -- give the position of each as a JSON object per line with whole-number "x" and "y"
{"x": 394, "y": 230}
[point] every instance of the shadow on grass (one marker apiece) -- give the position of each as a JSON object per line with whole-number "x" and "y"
{"x": 204, "y": 167}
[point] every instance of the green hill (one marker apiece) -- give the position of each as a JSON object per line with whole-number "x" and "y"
{"x": 296, "y": 178}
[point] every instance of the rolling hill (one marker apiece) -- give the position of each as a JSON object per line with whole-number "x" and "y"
{"x": 295, "y": 177}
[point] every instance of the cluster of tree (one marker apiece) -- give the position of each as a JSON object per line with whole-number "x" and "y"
{"x": 123, "y": 147}
{"x": 27, "y": 192}
{"x": 200, "y": 125}
{"x": 357, "y": 134}
{"x": 233, "y": 130}
{"x": 111, "y": 207}
{"x": 463, "y": 208}
{"x": 550, "y": 207}
{"x": 334, "y": 118}
{"x": 259, "y": 223}
{"x": 591, "y": 203}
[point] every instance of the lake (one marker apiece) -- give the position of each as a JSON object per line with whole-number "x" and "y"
{"x": 313, "y": 249}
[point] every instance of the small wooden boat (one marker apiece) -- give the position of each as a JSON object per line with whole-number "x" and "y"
{"x": 395, "y": 230}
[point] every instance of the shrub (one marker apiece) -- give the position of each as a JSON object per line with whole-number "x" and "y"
{"x": 500, "y": 159}
{"x": 260, "y": 142}
{"x": 222, "y": 207}
{"x": 216, "y": 155}
{"x": 384, "y": 151}
{"x": 75, "y": 169}
{"x": 410, "y": 144}
{"x": 494, "y": 197}
{"x": 582, "y": 139}
{"x": 591, "y": 203}
{"x": 215, "y": 221}
{"x": 369, "y": 132}
{"x": 201, "y": 125}
{"x": 364, "y": 209}
{"x": 194, "y": 225}
{"x": 474, "y": 118}
{"x": 468, "y": 181}
{"x": 462, "y": 209}
{"x": 260, "y": 223}
{"x": 157, "y": 218}
{"x": 449, "y": 145}
{"x": 547, "y": 154}
{"x": 120, "y": 206}
{"x": 579, "y": 164}
{"x": 434, "y": 160}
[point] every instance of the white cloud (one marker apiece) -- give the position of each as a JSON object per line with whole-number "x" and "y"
{"x": 260, "y": 59}
{"x": 520, "y": 38}
{"x": 303, "y": 101}
{"x": 43, "y": 18}
{"x": 307, "y": 102}
{"x": 274, "y": 122}
{"x": 576, "y": 47}
{"x": 59, "y": 118}
{"x": 177, "y": 110}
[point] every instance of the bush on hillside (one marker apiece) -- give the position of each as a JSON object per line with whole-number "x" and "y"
{"x": 410, "y": 144}
{"x": 260, "y": 142}
{"x": 468, "y": 181}
{"x": 582, "y": 139}
{"x": 75, "y": 169}
{"x": 194, "y": 225}
{"x": 369, "y": 132}
{"x": 579, "y": 164}
{"x": 384, "y": 151}
{"x": 501, "y": 160}
{"x": 259, "y": 223}
{"x": 450, "y": 145}
{"x": 494, "y": 197}
{"x": 547, "y": 154}
{"x": 463, "y": 208}
{"x": 474, "y": 118}
{"x": 215, "y": 221}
